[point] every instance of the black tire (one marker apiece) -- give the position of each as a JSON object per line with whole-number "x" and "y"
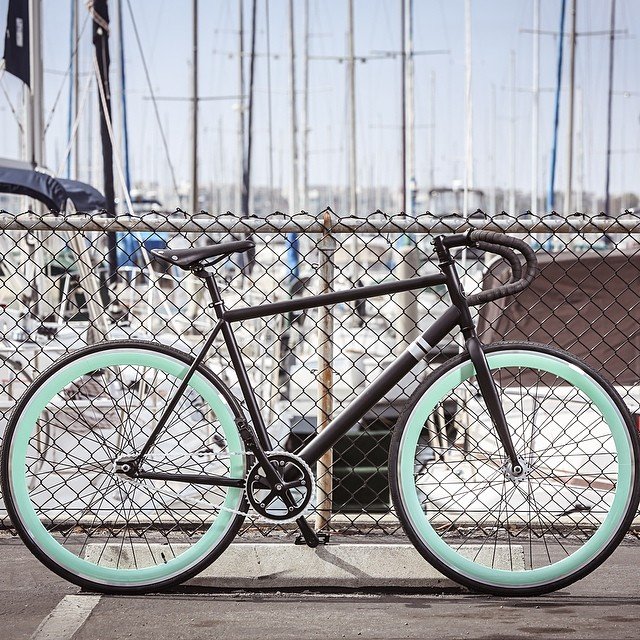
{"x": 233, "y": 523}
{"x": 467, "y": 577}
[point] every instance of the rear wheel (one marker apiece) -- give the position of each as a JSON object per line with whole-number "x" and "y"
{"x": 101, "y": 529}
{"x": 481, "y": 525}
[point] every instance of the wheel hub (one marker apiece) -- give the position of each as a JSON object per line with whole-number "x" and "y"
{"x": 518, "y": 472}
{"x": 287, "y": 499}
{"x": 126, "y": 465}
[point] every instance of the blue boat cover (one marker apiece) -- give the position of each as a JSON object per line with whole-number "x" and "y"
{"x": 52, "y": 192}
{"x": 85, "y": 198}
{"x": 33, "y": 184}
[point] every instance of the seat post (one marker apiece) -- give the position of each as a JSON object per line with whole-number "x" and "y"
{"x": 212, "y": 286}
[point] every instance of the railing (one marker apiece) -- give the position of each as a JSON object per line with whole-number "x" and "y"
{"x": 377, "y": 222}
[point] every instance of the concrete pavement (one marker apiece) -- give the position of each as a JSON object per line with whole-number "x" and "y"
{"x": 606, "y": 604}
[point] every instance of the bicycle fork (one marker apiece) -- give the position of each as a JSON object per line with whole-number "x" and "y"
{"x": 474, "y": 348}
{"x": 491, "y": 398}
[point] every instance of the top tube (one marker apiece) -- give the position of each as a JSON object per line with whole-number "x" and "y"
{"x": 348, "y": 295}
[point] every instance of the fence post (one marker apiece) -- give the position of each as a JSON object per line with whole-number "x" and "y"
{"x": 324, "y": 471}
{"x": 407, "y": 300}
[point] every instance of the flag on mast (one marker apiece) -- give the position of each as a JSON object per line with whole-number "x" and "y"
{"x": 16, "y": 41}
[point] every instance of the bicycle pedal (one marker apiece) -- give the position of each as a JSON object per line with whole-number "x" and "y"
{"x": 308, "y": 536}
{"x": 322, "y": 538}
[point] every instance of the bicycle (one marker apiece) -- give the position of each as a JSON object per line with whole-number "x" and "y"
{"x": 151, "y": 463}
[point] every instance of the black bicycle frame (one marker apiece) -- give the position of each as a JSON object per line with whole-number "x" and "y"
{"x": 374, "y": 393}
{"x": 458, "y": 314}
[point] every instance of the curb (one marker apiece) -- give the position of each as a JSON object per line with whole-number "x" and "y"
{"x": 349, "y": 566}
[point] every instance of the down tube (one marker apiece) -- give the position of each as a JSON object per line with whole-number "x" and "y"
{"x": 379, "y": 387}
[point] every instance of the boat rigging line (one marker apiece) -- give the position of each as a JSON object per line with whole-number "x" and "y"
{"x": 74, "y": 127}
{"x": 72, "y": 60}
{"x": 116, "y": 154}
{"x": 8, "y": 99}
{"x": 153, "y": 276}
{"x": 163, "y": 136}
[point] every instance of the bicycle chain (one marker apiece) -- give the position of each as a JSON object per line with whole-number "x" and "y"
{"x": 176, "y": 496}
{"x": 207, "y": 505}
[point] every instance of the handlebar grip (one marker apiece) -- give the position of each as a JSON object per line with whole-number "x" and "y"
{"x": 508, "y": 254}
{"x": 498, "y": 243}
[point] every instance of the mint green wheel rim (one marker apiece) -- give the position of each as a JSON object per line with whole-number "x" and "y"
{"x": 18, "y": 470}
{"x": 540, "y": 575}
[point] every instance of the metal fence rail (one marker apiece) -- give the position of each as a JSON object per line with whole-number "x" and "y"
{"x": 57, "y": 294}
{"x": 275, "y": 223}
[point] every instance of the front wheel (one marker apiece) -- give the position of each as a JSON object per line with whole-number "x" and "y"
{"x": 471, "y": 517}
{"x": 99, "y": 528}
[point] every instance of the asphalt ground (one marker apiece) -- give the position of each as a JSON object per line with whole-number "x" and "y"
{"x": 36, "y": 603}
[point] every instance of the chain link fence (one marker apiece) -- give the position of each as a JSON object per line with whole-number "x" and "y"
{"x": 63, "y": 286}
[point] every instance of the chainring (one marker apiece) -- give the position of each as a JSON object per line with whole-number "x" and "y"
{"x": 270, "y": 502}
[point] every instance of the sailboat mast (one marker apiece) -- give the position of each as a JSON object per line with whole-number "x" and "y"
{"x": 91, "y": 164}
{"x": 34, "y": 97}
{"x": 403, "y": 92}
{"x": 572, "y": 77}
{"x": 410, "y": 104}
{"x": 123, "y": 100}
{"x": 432, "y": 137}
{"x": 580, "y": 137}
{"x": 494, "y": 153}
{"x": 512, "y": 137}
{"x": 612, "y": 35}
{"x": 468, "y": 161}
{"x": 76, "y": 87}
{"x": 556, "y": 114}
{"x": 293, "y": 183}
{"x": 34, "y": 139}
{"x": 101, "y": 30}
{"x": 221, "y": 172}
{"x": 246, "y": 176}
{"x": 293, "y": 246}
{"x": 72, "y": 63}
{"x": 194, "y": 204}
{"x": 351, "y": 69}
{"x": 304, "y": 194}
{"x": 535, "y": 107}
{"x": 239, "y": 188}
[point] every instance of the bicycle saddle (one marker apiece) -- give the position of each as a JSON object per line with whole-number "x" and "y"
{"x": 188, "y": 258}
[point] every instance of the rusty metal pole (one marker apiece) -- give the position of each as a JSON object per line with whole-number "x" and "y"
{"x": 324, "y": 470}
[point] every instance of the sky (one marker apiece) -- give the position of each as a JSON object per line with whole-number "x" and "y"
{"x": 497, "y": 27}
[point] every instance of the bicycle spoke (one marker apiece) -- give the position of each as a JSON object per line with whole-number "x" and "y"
{"x": 110, "y": 520}
{"x": 569, "y": 478}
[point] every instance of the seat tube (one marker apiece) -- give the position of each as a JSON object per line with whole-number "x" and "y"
{"x": 238, "y": 364}
{"x": 245, "y": 386}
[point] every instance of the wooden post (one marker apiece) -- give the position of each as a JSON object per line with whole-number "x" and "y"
{"x": 324, "y": 471}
